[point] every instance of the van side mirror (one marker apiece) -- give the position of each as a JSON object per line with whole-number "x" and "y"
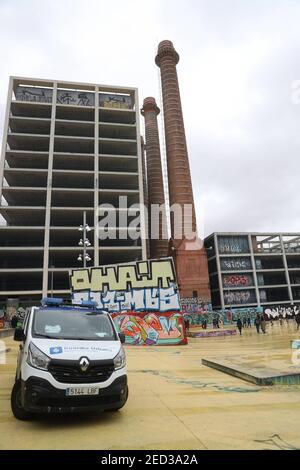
{"x": 122, "y": 337}
{"x": 19, "y": 334}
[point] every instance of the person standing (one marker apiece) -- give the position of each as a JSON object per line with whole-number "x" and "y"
{"x": 187, "y": 324}
{"x": 249, "y": 321}
{"x": 297, "y": 318}
{"x": 257, "y": 323}
{"x": 263, "y": 324}
{"x": 14, "y": 321}
{"x": 239, "y": 324}
{"x": 244, "y": 322}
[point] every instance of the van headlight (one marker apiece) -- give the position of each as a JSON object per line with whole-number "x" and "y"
{"x": 36, "y": 358}
{"x": 120, "y": 360}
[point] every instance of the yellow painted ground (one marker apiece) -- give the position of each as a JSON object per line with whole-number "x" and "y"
{"x": 175, "y": 403}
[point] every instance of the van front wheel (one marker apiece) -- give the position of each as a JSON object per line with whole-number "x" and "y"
{"x": 16, "y": 405}
{"x": 126, "y": 398}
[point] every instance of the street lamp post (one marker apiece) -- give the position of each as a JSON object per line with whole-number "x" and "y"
{"x": 84, "y": 241}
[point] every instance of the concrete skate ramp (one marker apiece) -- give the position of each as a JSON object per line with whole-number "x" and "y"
{"x": 257, "y": 375}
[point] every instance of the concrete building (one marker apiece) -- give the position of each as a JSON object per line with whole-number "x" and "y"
{"x": 254, "y": 269}
{"x": 67, "y": 147}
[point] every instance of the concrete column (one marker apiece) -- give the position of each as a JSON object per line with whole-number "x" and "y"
{"x": 49, "y": 192}
{"x": 158, "y": 228}
{"x": 180, "y": 183}
{"x": 145, "y": 189}
{"x": 140, "y": 172}
{"x": 5, "y": 133}
{"x": 219, "y": 271}
{"x": 254, "y": 270}
{"x": 95, "y": 261}
{"x": 287, "y": 276}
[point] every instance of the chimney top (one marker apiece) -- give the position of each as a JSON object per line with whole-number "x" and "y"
{"x": 149, "y": 104}
{"x": 166, "y": 48}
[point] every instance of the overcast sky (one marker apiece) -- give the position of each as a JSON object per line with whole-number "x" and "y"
{"x": 238, "y": 62}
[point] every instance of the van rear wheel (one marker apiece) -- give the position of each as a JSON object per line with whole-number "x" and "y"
{"x": 16, "y": 405}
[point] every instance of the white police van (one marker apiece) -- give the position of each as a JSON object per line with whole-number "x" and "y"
{"x": 71, "y": 359}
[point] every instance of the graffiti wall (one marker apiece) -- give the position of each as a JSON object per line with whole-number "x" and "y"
{"x": 142, "y": 298}
{"x": 231, "y": 315}
{"x": 73, "y": 97}
{"x": 151, "y": 328}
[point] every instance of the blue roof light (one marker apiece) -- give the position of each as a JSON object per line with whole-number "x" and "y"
{"x": 51, "y": 301}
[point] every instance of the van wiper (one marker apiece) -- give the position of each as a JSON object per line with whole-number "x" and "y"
{"x": 47, "y": 336}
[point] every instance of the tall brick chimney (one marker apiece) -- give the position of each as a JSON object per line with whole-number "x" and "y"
{"x": 188, "y": 252}
{"x": 158, "y": 246}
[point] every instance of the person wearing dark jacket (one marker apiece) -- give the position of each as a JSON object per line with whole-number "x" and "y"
{"x": 257, "y": 323}
{"x": 239, "y": 324}
{"x": 297, "y": 318}
{"x": 14, "y": 321}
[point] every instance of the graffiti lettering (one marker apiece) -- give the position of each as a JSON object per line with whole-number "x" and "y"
{"x": 235, "y": 263}
{"x": 195, "y": 305}
{"x": 163, "y": 300}
{"x": 139, "y": 275}
{"x": 237, "y": 297}
{"x": 115, "y": 101}
{"x": 78, "y": 98}
{"x": 39, "y": 95}
{"x": 282, "y": 311}
{"x": 237, "y": 280}
{"x": 141, "y": 286}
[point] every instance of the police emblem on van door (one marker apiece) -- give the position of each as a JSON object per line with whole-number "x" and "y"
{"x": 84, "y": 364}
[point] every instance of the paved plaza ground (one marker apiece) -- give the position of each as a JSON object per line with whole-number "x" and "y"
{"x": 175, "y": 402}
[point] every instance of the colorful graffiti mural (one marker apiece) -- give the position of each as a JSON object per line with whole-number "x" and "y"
{"x": 142, "y": 297}
{"x": 151, "y": 328}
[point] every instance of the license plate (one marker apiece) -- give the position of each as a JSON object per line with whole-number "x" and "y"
{"x": 79, "y": 391}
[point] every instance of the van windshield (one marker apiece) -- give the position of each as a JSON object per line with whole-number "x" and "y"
{"x": 73, "y": 324}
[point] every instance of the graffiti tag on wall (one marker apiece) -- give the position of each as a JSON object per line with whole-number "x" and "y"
{"x": 237, "y": 280}
{"x": 115, "y": 101}
{"x": 141, "y": 286}
{"x": 233, "y": 244}
{"x": 38, "y": 95}
{"x": 79, "y": 98}
{"x": 195, "y": 305}
{"x": 228, "y": 264}
{"x": 242, "y": 297}
{"x": 282, "y": 311}
{"x": 151, "y": 328}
